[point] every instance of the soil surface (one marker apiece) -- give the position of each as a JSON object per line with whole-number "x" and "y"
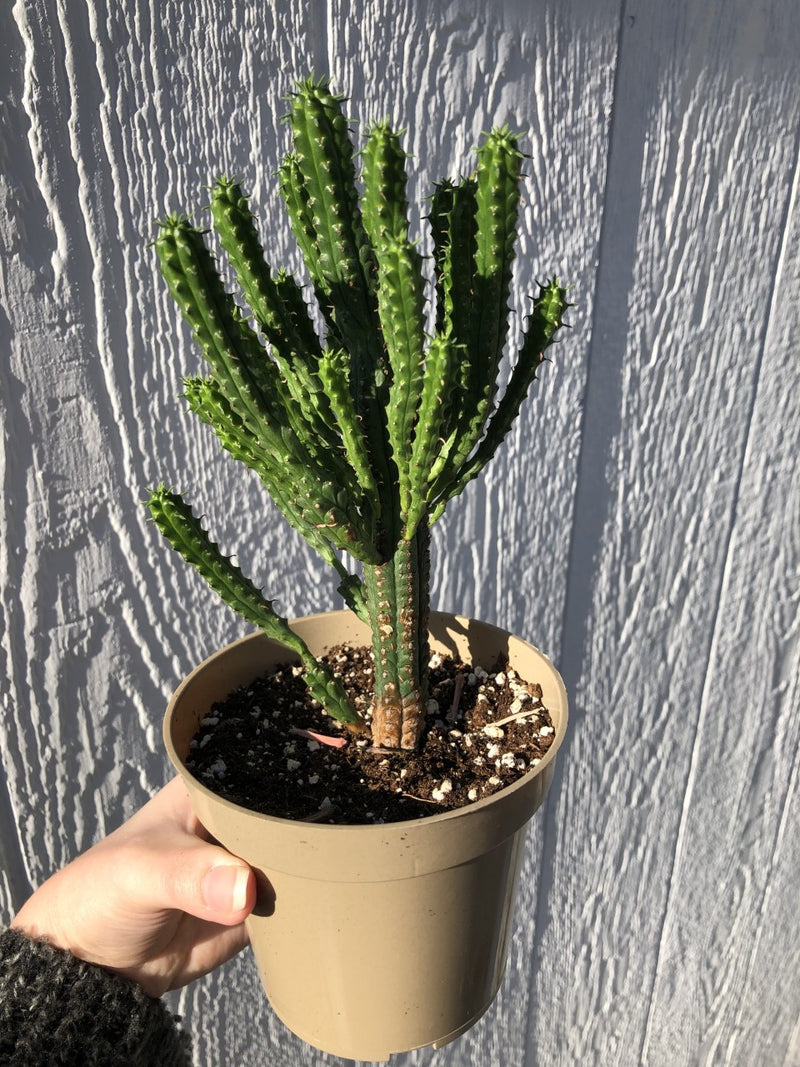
{"x": 484, "y": 730}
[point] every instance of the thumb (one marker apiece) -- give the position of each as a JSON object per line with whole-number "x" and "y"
{"x": 228, "y": 888}
{"x": 165, "y": 860}
{"x": 207, "y": 882}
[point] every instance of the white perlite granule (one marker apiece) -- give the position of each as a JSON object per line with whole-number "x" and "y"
{"x": 218, "y": 768}
{"x": 494, "y": 731}
{"x": 445, "y": 788}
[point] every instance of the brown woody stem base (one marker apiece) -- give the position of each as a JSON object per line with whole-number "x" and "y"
{"x": 397, "y": 596}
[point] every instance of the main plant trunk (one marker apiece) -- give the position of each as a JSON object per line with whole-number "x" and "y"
{"x": 398, "y": 600}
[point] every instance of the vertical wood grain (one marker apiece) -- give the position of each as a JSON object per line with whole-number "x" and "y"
{"x": 116, "y": 116}
{"x": 705, "y": 113}
{"x": 730, "y": 929}
{"x": 641, "y": 524}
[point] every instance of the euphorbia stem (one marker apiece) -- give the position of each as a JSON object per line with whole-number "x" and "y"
{"x": 397, "y": 594}
{"x": 364, "y": 432}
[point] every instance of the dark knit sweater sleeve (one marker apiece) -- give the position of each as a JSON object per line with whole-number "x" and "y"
{"x": 58, "y": 1010}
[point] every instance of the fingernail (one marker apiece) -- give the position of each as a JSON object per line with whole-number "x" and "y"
{"x": 225, "y": 887}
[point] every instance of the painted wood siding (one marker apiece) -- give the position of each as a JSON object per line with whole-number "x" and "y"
{"x": 642, "y": 525}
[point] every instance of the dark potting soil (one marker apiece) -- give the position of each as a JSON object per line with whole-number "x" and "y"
{"x": 483, "y": 731}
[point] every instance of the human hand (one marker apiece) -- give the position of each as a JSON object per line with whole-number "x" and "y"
{"x": 153, "y": 901}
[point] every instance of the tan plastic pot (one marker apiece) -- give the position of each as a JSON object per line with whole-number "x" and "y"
{"x": 373, "y": 940}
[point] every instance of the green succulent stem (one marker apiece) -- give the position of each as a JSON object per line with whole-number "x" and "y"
{"x": 184, "y": 531}
{"x": 364, "y": 415}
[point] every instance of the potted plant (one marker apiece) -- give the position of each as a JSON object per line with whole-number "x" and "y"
{"x": 363, "y": 416}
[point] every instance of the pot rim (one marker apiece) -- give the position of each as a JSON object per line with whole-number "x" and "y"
{"x": 558, "y": 710}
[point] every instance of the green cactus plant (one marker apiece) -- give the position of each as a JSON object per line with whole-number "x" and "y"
{"x": 363, "y": 432}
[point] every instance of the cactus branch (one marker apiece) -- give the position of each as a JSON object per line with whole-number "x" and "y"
{"x": 277, "y": 306}
{"x": 496, "y": 198}
{"x": 324, "y": 157}
{"x": 319, "y": 188}
{"x": 437, "y": 400}
{"x": 197, "y": 288}
{"x": 209, "y": 404}
{"x": 334, "y": 374}
{"x": 178, "y": 523}
{"x": 545, "y": 320}
{"x": 453, "y": 222}
{"x": 295, "y": 197}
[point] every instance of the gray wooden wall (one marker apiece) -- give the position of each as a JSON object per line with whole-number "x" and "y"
{"x": 642, "y": 526}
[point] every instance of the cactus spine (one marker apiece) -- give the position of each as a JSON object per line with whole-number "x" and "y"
{"x": 361, "y": 435}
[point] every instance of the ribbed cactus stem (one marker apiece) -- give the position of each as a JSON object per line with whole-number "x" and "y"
{"x": 400, "y": 291}
{"x": 181, "y": 527}
{"x": 453, "y": 223}
{"x": 334, "y": 372}
{"x": 397, "y": 592}
{"x": 495, "y": 194}
{"x": 278, "y": 309}
{"x": 544, "y": 322}
{"x": 435, "y": 404}
{"x": 318, "y": 184}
